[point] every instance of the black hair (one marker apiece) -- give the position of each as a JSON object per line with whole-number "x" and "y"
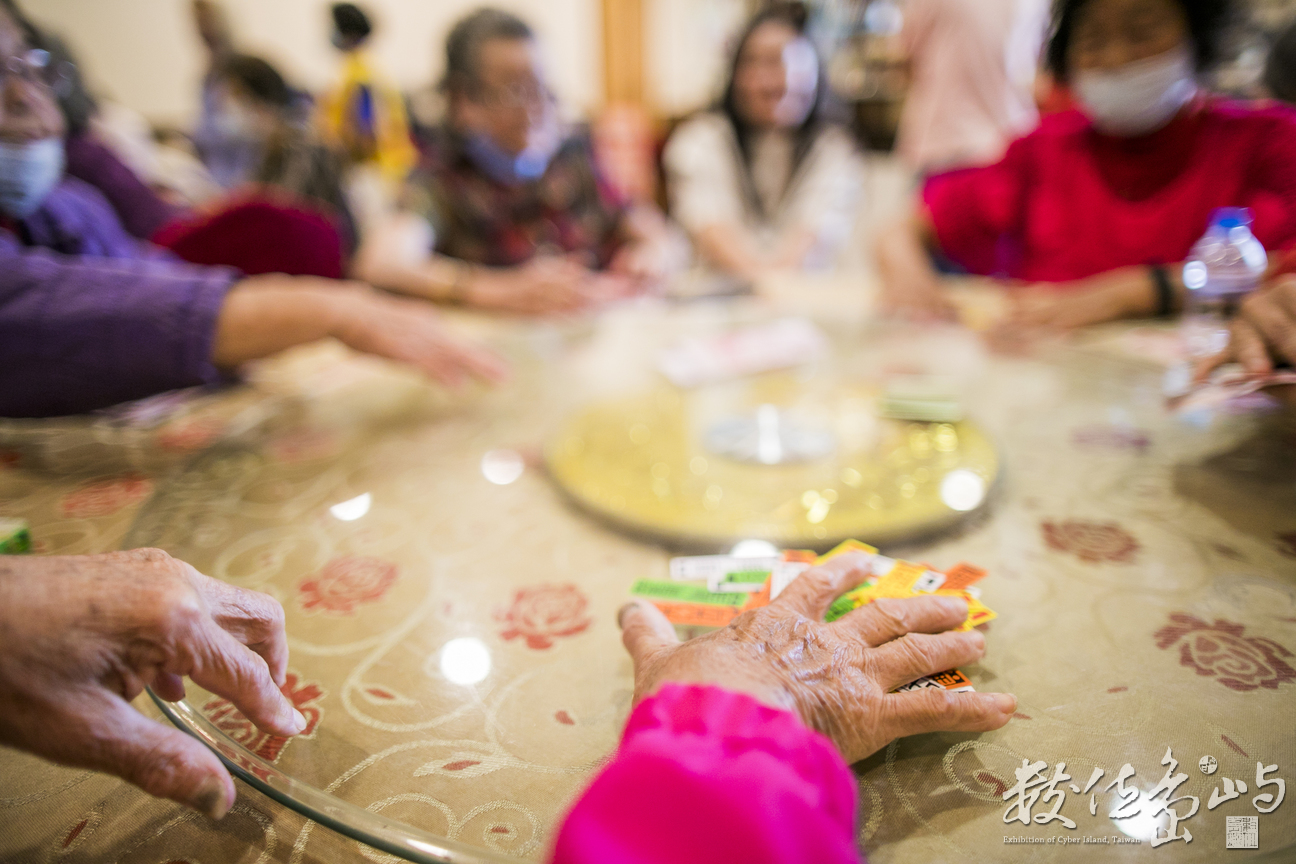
{"x": 256, "y": 76}
{"x": 822, "y": 114}
{"x": 1208, "y": 26}
{"x": 463, "y": 45}
{"x": 351, "y": 23}
{"x": 1280, "y": 69}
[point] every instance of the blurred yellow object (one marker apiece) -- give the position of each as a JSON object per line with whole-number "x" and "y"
{"x": 365, "y": 117}
{"x": 642, "y": 464}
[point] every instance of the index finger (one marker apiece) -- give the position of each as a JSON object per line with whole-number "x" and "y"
{"x": 811, "y": 593}
{"x": 226, "y": 667}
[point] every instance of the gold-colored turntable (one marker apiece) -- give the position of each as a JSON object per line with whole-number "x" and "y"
{"x": 799, "y": 466}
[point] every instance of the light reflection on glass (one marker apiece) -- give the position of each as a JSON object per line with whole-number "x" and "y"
{"x": 962, "y": 490}
{"x": 1142, "y": 826}
{"x": 350, "y": 511}
{"x": 465, "y": 660}
{"x": 502, "y": 467}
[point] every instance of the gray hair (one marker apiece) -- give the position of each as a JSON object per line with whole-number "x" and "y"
{"x": 463, "y": 45}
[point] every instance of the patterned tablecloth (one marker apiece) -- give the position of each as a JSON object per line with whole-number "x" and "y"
{"x": 1143, "y": 567}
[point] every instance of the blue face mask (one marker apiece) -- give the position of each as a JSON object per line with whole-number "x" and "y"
{"x": 504, "y": 167}
{"x": 28, "y": 174}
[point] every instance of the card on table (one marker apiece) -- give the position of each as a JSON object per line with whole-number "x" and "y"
{"x": 764, "y": 348}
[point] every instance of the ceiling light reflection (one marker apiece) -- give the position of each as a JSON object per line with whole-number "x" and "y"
{"x": 350, "y": 511}
{"x": 962, "y": 490}
{"x": 502, "y": 467}
{"x": 465, "y": 660}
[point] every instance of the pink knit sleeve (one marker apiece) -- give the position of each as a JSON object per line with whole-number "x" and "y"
{"x": 706, "y": 775}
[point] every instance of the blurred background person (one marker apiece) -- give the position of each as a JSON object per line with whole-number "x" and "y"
{"x": 972, "y": 70}
{"x": 286, "y": 210}
{"x": 1097, "y": 209}
{"x": 364, "y": 117}
{"x": 91, "y": 316}
{"x": 508, "y": 209}
{"x": 1280, "y": 69}
{"x": 768, "y": 179}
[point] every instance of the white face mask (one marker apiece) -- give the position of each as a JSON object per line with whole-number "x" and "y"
{"x": 28, "y": 174}
{"x": 1140, "y": 97}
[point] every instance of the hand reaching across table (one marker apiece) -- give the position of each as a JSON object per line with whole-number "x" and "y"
{"x": 1263, "y": 334}
{"x": 81, "y": 636}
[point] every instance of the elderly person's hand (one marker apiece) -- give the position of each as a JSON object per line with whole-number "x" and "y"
{"x": 82, "y": 636}
{"x": 838, "y": 677}
{"x": 1263, "y": 332}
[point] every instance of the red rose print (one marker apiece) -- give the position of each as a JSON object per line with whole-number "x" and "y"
{"x": 106, "y": 496}
{"x": 190, "y": 435}
{"x": 345, "y": 583}
{"x": 9, "y": 459}
{"x": 1093, "y": 542}
{"x": 1287, "y": 544}
{"x": 303, "y": 445}
{"x": 231, "y": 721}
{"x": 543, "y": 613}
{"x": 1223, "y": 651}
{"x": 1111, "y": 438}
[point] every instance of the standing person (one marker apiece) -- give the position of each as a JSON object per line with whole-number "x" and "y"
{"x": 508, "y": 209}
{"x": 363, "y": 116}
{"x": 972, "y": 78}
{"x": 1097, "y": 209}
{"x": 767, "y": 180}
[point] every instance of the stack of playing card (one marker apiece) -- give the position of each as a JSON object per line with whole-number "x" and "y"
{"x": 736, "y": 585}
{"x": 15, "y": 537}
{"x": 1229, "y": 386}
{"x": 778, "y": 345}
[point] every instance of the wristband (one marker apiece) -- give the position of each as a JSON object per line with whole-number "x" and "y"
{"x": 1165, "y": 293}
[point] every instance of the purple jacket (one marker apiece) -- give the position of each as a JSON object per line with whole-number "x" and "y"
{"x": 95, "y": 317}
{"x": 138, "y": 207}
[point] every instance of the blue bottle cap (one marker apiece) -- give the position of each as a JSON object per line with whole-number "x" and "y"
{"x": 1231, "y": 217}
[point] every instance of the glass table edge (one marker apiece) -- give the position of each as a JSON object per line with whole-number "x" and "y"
{"x": 365, "y": 826}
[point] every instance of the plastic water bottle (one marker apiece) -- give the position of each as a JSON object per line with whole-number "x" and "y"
{"x": 1225, "y": 265}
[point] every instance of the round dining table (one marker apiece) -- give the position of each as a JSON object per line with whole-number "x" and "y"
{"x": 451, "y": 609}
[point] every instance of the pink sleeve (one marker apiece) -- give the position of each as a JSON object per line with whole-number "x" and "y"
{"x": 974, "y": 211}
{"x": 705, "y": 775}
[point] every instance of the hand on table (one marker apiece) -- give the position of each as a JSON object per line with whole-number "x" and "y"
{"x": 545, "y": 286}
{"x": 1263, "y": 332}
{"x": 838, "y": 677}
{"x": 411, "y": 331}
{"x": 82, "y": 636}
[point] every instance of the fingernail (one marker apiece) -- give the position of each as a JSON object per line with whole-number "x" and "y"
{"x": 210, "y": 799}
{"x": 301, "y": 721}
{"x": 621, "y": 614}
{"x": 1005, "y": 702}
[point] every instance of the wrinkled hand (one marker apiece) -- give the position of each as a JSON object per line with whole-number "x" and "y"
{"x": 838, "y": 677}
{"x": 545, "y": 285}
{"x": 410, "y": 331}
{"x": 82, "y": 636}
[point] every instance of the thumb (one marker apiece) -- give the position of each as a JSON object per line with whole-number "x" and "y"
{"x": 163, "y": 761}
{"x": 644, "y": 631}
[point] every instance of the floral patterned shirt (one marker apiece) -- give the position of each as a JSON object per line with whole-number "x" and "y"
{"x": 570, "y": 209}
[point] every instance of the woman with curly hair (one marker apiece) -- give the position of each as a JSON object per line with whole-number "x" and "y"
{"x": 1096, "y": 209}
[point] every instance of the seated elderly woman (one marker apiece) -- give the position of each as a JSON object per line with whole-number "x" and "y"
{"x": 767, "y": 180}
{"x": 90, "y": 316}
{"x": 737, "y": 749}
{"x": 1097, "y": 209}
{"x": 508, "y": 209}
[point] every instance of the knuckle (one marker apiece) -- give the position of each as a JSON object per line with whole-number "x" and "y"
{"x": 895, "y": 614}
{"x": 159, "y": 771}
